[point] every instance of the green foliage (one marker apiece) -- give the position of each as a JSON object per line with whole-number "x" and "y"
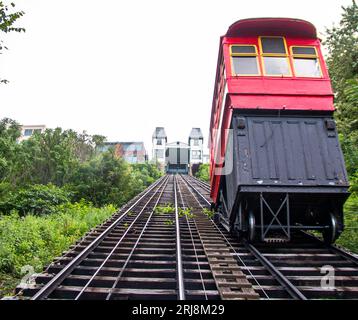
{"x": 9, "y": 132}
{"x": 185, "y": 213}
{"x": 34, "y": 199}
{"x": 349, "y": 237}
{"x": 51, "y": 157}
{"x": 7, "y": 284}
{"x": 143, "y": 175}
{"x": 341, "y": 42}
{"x": 8, "y": 16}
{"x": 164, "y": 209}
{"x": 36, "y": 240}
{"x": 203, "y": 172}
{"x": 208, "y": 213}
{"x": 103, "y": 179}
{"x": 71, "y": 161}
{"x": 169, "y": 222}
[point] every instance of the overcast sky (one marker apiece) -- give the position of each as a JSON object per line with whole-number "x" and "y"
{"x": 121, "y": 68}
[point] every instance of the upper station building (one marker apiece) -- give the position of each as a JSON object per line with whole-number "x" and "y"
{"x": 159, "y": 141}
{"x": 195, "y": 142}
{"x": 178, "y": 156}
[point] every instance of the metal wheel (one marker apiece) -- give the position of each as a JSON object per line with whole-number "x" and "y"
{"x": 331, "y": 234}
{"x": 216, "y": 218}
{"x": 251, "y": 234}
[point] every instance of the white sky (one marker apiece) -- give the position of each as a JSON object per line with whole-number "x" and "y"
{"x": 121, "y": 68}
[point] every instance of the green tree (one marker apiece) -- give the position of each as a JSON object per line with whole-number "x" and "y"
{"x": 203, "y": 172}
{"x": 8, "y": 16}
{"x": 342, "y": 44}
{"x": 102, "y": 180}
{"x": 9, "y": 132}
{"x": 51, "y": 157}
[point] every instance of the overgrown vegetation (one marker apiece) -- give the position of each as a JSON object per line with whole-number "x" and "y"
{"x": 349, "y": 237}
{"x": 185, "y": 213}
{"x": 53, "y": 188}
{"x": 209, "y": 213}
{"x": 164, "y": 209}
{"x": 342, "y": 61}
{"x": 35, "y": 240}
{"x": 203, "y": 172}
{"x": 62, "y": 165}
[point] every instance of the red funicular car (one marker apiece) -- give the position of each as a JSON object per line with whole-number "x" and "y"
{"x": 276, "y": 163}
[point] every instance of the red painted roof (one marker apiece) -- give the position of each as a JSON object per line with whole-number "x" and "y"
{"x": 272, "y": 26}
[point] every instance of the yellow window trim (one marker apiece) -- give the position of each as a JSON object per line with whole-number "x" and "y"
{"x": 304, "y": 54}
{"x": 307, "y": 56}
{"x": 255, "y": 54}
{"x": 273, "y": 54}
{"x": 243, "y": 54}
{"x": 279, "y": 55}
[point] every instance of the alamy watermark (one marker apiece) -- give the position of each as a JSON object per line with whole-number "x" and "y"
{"x": 328, "y": 280}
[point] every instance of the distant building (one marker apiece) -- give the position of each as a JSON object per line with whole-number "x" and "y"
{"x": 205, "y": 158}
{"x": 195, "y": 142}
{"x": 28, "y": 130}
{"x": 159, "y": 140}
{"x": 177, "y": 157}
{"x": 132, "y": 152}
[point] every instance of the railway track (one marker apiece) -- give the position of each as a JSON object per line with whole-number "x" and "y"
{"x": 297, "y": 270}
{"x": 144, "y": 252}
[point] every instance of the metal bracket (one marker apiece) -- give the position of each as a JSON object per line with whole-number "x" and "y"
{"x": 285, "y": 227}
{"x": 222, "y": 199}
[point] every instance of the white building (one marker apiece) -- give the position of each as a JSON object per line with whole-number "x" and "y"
{"x": 195, "y": 142}
{"x": 28, "y": 130}
{"x": 159, "y": 141}
{"x": 177, "y": 157}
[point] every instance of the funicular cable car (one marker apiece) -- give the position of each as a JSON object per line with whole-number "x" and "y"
{"x": 276, "y": 163}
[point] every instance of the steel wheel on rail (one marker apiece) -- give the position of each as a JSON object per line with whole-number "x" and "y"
{"x": 331, "y": 233}
{"x": 251, "y": 226}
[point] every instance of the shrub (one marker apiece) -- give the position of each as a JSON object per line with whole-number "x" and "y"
{"x": 35, "y": 199}
{"x": 203, "y": 172}
{"x": 36, "y": 240}
{"x": 349, "y": 237}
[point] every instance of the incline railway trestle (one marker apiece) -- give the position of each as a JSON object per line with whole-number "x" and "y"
{"x": 183, "y": 254}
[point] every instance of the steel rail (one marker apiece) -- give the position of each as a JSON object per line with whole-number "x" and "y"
{"x": 50, "y": 286}
{"x": 121, "y": 239}
{"x": 287, "y": 284}
{"x": 136, "y": 243}
{"x": 188, "y": 183}
{"x": 201, "y": 183}
{"x": 178, "y": 246}
{"x": 353, "y": 258}
{"x": 194, "y": 246}
{"x": 228, "y": 242}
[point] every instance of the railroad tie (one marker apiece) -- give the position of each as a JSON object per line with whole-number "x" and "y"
{"x": 231, "y": 282}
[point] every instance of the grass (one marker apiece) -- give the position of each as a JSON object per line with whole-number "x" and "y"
{"x": 8, "y": 282}
{"x": 36, "y": 240}
{"x": 349, "y": 237}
